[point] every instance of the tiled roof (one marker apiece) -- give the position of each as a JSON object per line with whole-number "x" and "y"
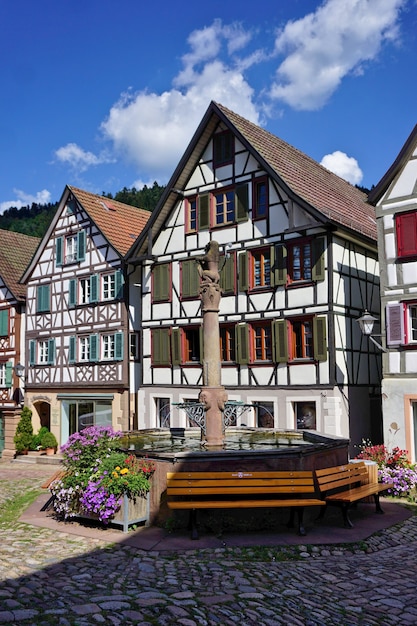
{"x": 334, "y": 197}
{"x": 16, "y": 251}
{"x": 120, "y": 223}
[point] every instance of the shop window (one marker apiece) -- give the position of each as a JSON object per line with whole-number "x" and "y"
{"x": 305, "y": 413}
{"x": 163, "y": 412}
{"x": 264, "y": 414}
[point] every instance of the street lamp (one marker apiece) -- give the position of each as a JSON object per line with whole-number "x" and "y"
{"x": 19, "y": 370}
{"x": 366, "y": 323}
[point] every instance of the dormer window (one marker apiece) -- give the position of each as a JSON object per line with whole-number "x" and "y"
{"x": 70, "y": 249}
{"x": 223, "y": 148}
{"x": 71, "y": 246}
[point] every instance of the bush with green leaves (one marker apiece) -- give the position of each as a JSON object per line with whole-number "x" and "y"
{"x": 24, "y": 431}
{"x": 48, "y": 440}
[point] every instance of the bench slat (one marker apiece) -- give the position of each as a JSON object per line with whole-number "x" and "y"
{"x": 237, "y": 475}
{"x": 241, "y": 504}
{"x": 221, "y": 484}
{"x": 176, "y": 491}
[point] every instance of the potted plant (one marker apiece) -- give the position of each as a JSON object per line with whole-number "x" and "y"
{"x": 24, "y": 432}
{"x": 49, "y": 442}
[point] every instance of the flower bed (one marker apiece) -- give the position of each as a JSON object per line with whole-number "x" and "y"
{"x": 393, "y": 467}
{"x": 99, "y": 478}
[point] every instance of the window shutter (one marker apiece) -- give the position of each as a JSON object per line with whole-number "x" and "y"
{"x": 81, "y": 245}
{"x": 32, "y": 352}
{"x": 242, "y": 202}
{"x": 279, "y": 265}
{"x": 394, "y": 314}
{"x": 160, "y": 282}
{"x": 243, "y": 272}
{"x": 94, "y": 288}
{"x": 4, "y": 323}
{"x": 9, "y": 374}
{"x": 119, "y": 282}
{"x": 176, "y": 346}
{"x": 118, "y": 346}
{"x": 42, "y": 299}
{"x": 93, "y": 341}
{"x": 406, "y": 230}
{"x": 317, "y": 250}
{"x": 72, "y": 292}
{"x": 204, "y": 212}
{"x": 227, "y": 274}
{"x": 160, "y": 346}
{"x": 58, "y": 251}
{"x": 320, "y": 338}
{"x": 242, "y": 344}
{"x": 71, "y": 351}
{"x": 190, "y": 279}
{"x": 279, "y": 341}
{"x": 51, "y": 351}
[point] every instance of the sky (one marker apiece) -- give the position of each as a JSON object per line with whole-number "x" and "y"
{"x": 107, "y": 94}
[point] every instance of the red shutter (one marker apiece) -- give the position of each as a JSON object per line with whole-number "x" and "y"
{"x": 406, "y": 228}
{"x": 394, "y": 314}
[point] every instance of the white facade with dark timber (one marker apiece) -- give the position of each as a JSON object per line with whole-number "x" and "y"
{"x": 395, "y": 198}
{"x": 80, "y": 332}
{"x": 300, "y": 266}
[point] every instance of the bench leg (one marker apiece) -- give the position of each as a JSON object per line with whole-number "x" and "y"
{"x": 300, "y": 512}
{"x": 346, "y": 521}
{"x": 321, "y": 514}
{"x": 48, "y": 503}
{"x": 377, "y": 504}
{"x": 192, "y": 524}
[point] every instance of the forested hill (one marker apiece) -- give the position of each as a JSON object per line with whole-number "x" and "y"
{"x": 35, "y": 219}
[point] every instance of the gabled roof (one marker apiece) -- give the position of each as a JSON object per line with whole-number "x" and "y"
{"x": 119, "y": 223}
{"x": 327, "y": 196}
{"x": 403, "y": 157}
{"x": 16, "y": 251}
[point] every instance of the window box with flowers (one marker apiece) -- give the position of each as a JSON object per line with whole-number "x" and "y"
{"x": 101, "y": 482}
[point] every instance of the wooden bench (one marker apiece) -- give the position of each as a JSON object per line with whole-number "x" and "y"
{"x": 344, "y": 485}
{"x": 46, "y": 485}
{"x": 239, "y": 490}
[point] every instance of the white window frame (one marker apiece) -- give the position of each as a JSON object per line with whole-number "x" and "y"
{"x": 84, "y": 349}
{"x": 71, "y": 248}
{"x": 2, "y": 374}
{"x": 84, "y": 290}
{"x": 109, "y": 286}
{"x": 108, "y": 345}
{"x": 43, "y": 352}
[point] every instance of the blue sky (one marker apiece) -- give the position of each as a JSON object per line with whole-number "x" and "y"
{"x": 106, "y": 94}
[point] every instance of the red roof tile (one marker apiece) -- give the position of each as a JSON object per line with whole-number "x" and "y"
{"x": 16, "y": 251}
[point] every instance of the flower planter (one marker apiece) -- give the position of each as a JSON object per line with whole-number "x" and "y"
{"x": 132, "y": 511}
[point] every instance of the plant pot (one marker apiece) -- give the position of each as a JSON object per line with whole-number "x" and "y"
{"x": 132, "y": 511}
{"x": 50, "y": 451}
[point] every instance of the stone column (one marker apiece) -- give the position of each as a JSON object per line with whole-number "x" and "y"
{"x": 212, "y": 395}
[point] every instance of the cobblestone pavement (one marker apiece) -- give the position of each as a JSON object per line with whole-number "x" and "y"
{"x": 66, "y": 580}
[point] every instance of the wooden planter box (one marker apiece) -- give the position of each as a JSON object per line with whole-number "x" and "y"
{"x": 132, "y": 511}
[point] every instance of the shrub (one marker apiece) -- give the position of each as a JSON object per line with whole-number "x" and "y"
{"x": 36, "y": 441}
{"x": 24, "y": 431}
{"x": 48, "y": 440}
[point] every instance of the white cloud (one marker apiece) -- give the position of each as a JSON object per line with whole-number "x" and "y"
{"x": 25, "y": 199}
{"x": 344, "y": 166}
{"x": 80, "y": 159}
{"x": 324, "y": 47}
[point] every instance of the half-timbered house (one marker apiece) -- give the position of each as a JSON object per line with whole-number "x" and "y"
{"x": 299, "y": 266}
{"x": 395, "y": 198}
{"x": 16, "y": 251}
{"x": 82, "y": 348}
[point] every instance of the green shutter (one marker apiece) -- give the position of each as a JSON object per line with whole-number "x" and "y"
{"x": 317, "y": 251}
{"x": 119, "y": 282}
{"x": 42, "y": 299}
{"x": 9, "y": 374}
{"x": 190, "y": 279}
{"x": 58, "y": 251}
{"x": 242, "y": 344}
{"x": 51, "y": 351}
{"x": 118, "y": 346}
{"x": 279, "y": 265}
{"x": 176, "y": 346}
{"x": 4, "y": 322}
{"x": 71, "y": 351}
{"x": 72, "y": 292}
{"x": 242, "y": 202}
{"x": 279, "y": 341}
{"x": 32, "y": 352}
{"x": 81, "y": 245}
{"x": 204, "y": 211}
{"x": 160, "y": 282}
{"x": 320, "y": 338}
{"x": 160, "y": 346}
{"x": 227, "y": 274}
{"x": 93, "y": 341}
{"x": 94, "y": 288}
{"x": 243, "y": 271}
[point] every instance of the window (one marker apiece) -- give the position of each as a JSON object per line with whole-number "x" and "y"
{"x": 109, "y": 287}
{"x": 264, "y": 414}
{"x": 305, "y": 413}
{"x": 261, "y": 268}
{"x": 224, "y": 203}
{"x": 161, "y": 348}
{"x": 300, "y": 261}
{"x": 163, "y": 412}
{"x": 84, "y": 290}
{"x": 190, "y": 279}
{"x": 134, "y": 346}
{"x": 228, "y": 274}
{"x": 406, "y": 232}
{"x": 260, "y": 199}
{"x": 83, "y": 413}
{"x": 401, "y": 318}
{"x": 223, "y": 148}
{"x": 161, "y": 282}
{"x": 43, "y": 304}
{"x": 42, "y": 352}
{"x": 112, "y": 347}
{"x": 302, "y": 339}
{"x": 84, "y": 349}
{"x": 6, "y": 371}
{"x": 227, "y": 344}
{"x": 191, "y": 211}
{"x": 70, "y": 249}
{"x": 191, "y": 345}
{"x": 299, "y": 340}
{"x": 261, "y": 342}
{"x": 4, "y": 323}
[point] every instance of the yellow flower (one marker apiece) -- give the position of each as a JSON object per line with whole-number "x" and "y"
{"x": 117, "y": 469}
{"x": 115, "y": 474}
{"x": 124, "y": 471}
